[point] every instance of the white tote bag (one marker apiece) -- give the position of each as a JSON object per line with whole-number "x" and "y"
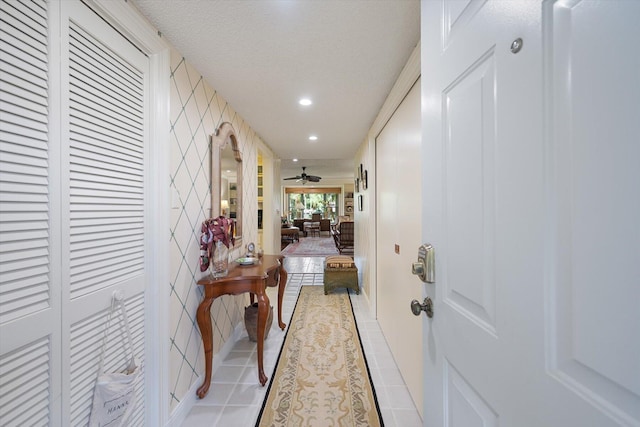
{"x": 114, "y": 394}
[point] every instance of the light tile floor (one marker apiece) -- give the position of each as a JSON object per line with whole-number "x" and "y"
{"x": 235, "y": 396}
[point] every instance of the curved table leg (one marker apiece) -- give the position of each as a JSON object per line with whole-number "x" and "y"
{"x": 204, "y": 323}
{"x": 263, "y": 312}
{"x": 282, "y": 283}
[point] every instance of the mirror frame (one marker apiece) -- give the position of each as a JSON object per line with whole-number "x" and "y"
{"x": 224, "y": 135}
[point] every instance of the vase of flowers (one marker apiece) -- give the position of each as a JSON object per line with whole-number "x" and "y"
{"x": 215, "y": 241}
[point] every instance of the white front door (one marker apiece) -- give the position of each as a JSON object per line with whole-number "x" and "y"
{"x": 531, "y": 153}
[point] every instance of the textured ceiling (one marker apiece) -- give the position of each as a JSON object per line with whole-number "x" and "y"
{"x": 262, "y": 56}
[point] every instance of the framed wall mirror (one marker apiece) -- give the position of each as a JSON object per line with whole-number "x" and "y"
{"x": 226, "y": 177}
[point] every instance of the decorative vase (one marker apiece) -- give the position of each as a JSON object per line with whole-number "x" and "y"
{"x": 251, "y": 321}
{"x": 220, "y": 262}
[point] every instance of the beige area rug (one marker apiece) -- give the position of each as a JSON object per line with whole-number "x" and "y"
{"x": 311, "y": 246}
{"x": 322, "y": 377}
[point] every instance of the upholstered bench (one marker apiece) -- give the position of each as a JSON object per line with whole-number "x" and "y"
{"x": 340, "y": 272}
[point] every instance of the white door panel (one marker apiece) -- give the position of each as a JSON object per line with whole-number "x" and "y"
{"x": 469, "y": 140}
{"x": 531, "y": 201}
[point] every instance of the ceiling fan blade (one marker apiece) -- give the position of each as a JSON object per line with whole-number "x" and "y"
{"x": 304, "y": 177}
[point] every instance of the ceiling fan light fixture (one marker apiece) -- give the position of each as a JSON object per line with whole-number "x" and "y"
{"x": 304, "y": 178}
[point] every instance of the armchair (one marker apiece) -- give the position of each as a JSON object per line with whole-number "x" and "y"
{"x": 343, "y": 236}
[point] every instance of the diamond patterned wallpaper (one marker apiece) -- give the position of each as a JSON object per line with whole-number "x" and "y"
{"x": 196, "y": 111}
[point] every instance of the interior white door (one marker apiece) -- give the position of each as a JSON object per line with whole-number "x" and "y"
{"x": 73, "y": 160}
{"x": 30, "y": 309}
{"x": 530, "y": 197}
{"x": 398, "y": 172}
{"x": 103, "y": 180}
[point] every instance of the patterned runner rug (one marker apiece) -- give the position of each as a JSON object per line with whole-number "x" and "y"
{"x": 311, "y": 246}
{"x": 322, "y": 377}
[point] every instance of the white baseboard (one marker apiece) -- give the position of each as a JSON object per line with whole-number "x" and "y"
{"x": 181, "y": 411}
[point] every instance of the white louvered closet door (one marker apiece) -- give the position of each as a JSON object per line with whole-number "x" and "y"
{"x": 73, "y": 208}
{"x": 103, "y": 202}
{"x": 30, "y": 334}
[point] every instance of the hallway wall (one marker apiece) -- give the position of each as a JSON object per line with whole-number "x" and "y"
{"x": 364, "y": 254}
{"x": 365, "y": 227}
{"x": 196, "y": 111}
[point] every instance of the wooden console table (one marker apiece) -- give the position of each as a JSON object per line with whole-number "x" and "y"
{"x": 251, "y": 278}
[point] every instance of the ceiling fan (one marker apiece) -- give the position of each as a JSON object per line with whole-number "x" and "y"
{"x": 304, "y": 177}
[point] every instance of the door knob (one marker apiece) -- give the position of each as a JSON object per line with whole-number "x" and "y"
{"x": 427, "y": 307}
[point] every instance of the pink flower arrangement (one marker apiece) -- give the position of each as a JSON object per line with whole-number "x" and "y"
{"x": 214, "y": 230}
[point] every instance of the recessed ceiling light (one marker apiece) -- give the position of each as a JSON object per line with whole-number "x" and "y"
{"x": 305, "y": 101}
{"x": 313, "y": 138}
{"x": 295, "y": 160}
